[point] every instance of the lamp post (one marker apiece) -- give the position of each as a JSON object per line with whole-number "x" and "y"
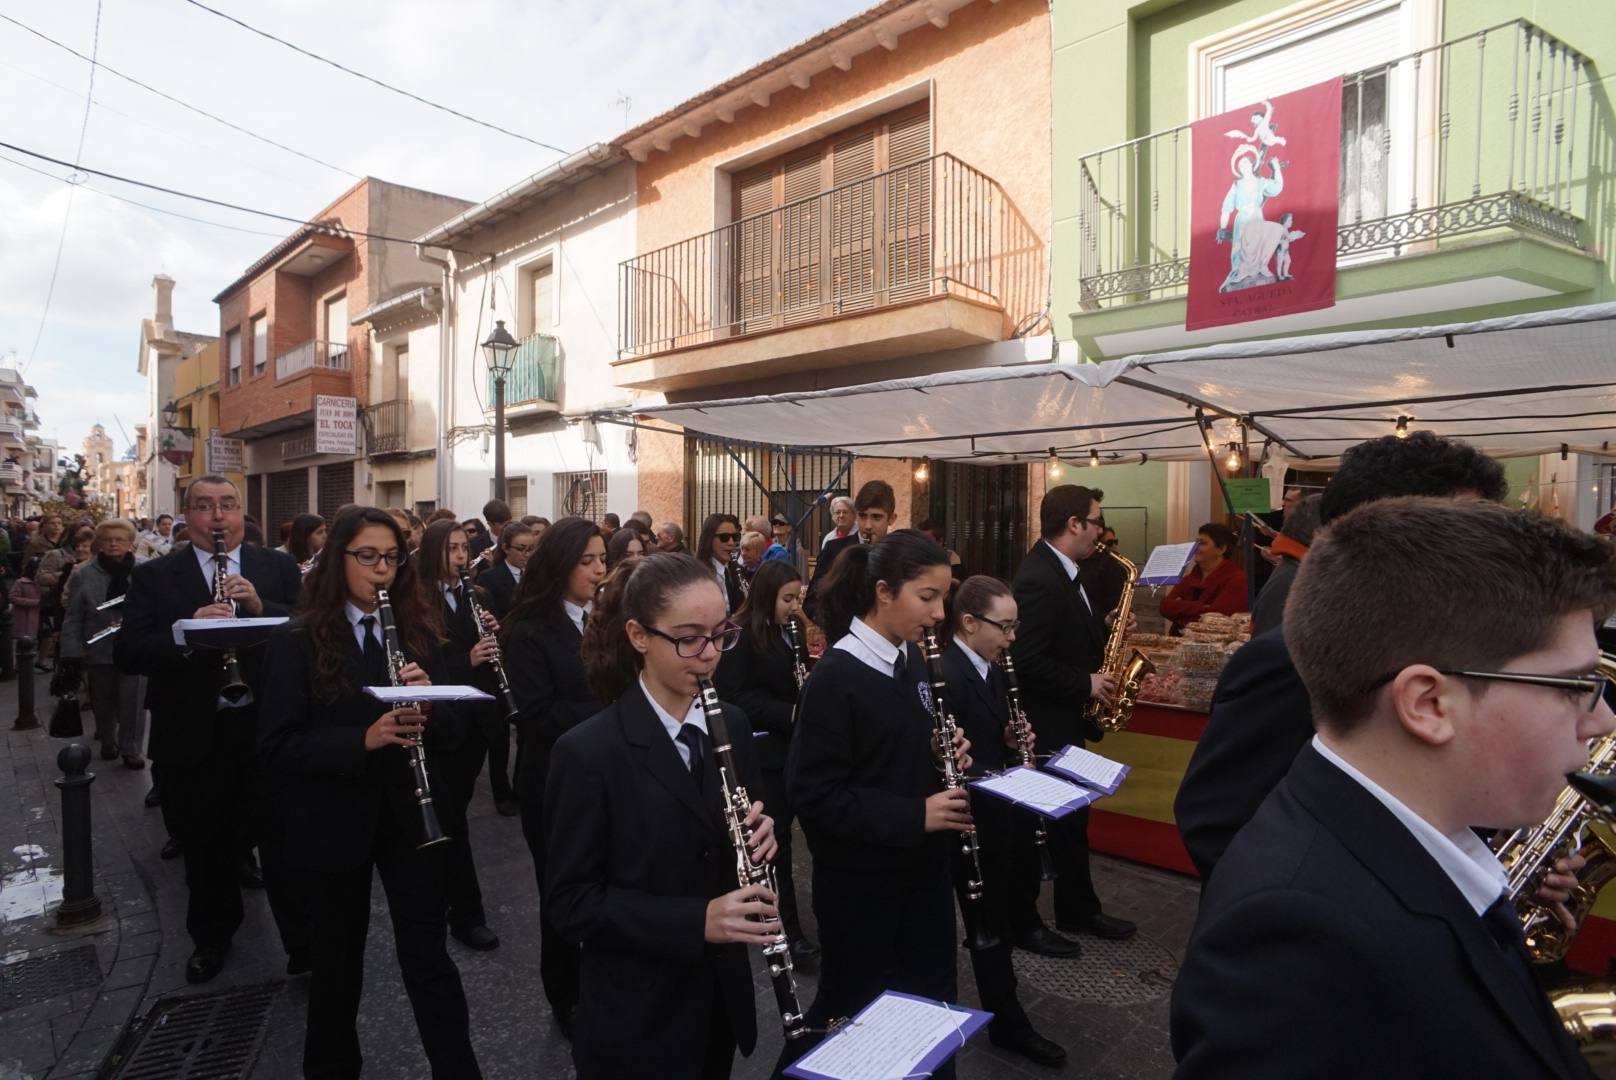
{"x": 498, "y": 349}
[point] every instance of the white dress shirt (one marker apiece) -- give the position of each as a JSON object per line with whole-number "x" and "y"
{"x": 1071, "y": 572}
{"x": 1462, "y": 855}
{"x": 576, "y": 613}
{"x": 720, "y": 567}
{"x": 977, "y": 662}
{"x": 450, "y": 595}
{"x": 204, "y": 559}
{"x": 869, "y": 646}
{"x": 355, "y": 613}
{"x": 693, "y": 715}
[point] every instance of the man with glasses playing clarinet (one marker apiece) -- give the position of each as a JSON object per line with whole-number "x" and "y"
{"x": 202, "y": 742}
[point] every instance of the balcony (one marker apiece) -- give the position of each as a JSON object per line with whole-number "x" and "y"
{"x": 531, "y": 385}
{"x": 11, "y": 433}
{"x": 328, "y": 355}
{"x": 11, "y": 477}
{"x": 387, "y": 429}
{"x": 1481, "y": 145}
{"x": 906, "y": 261}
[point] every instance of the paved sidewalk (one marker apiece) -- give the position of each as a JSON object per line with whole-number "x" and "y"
{"x": 1108, "y": 1009}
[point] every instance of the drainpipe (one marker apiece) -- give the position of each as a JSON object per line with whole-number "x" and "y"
{"x": 446, "y": 324}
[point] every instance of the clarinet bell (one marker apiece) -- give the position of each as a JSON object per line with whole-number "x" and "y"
{"x": 235, "y": 688}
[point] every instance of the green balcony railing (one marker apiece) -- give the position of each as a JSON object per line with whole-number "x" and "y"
{"x": 533, "y": 373}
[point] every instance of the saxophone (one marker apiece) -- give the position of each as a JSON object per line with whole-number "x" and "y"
{"x": 1129, "y": 671}
{"x": 1527, "y": 854}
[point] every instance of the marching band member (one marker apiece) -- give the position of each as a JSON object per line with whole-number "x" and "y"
{"x": 862, "y": 777}
{"x": 639, "y": 872}
{"x": 716, "y": 547}
{"x": 542, "y": 637}
{"x": 983, "y": 627}
{"x": 345, "y": 787}
{"x": 759, "y": 676}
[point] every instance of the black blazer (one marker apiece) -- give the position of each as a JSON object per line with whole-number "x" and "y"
{"x": 1330, "y": 943}
{"x": 635, "y": 853}
{"x": 1059, "y": 645}
{"x": 1261, "y": 716}
{"x": 500, "y": 585}
{"x": 329, "y": 788}
{"x": 454, "y": 730}
{"x": 982, "y": 713}
{"x": 822, "y": 565}
{"x": 759, "y": 680}
{"x": 547, "y": 676}
{"x": 183, "y": 687}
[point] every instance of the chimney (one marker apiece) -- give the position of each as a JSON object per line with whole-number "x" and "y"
{"x": 163, "y": 295}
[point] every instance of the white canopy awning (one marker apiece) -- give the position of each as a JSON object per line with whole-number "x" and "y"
{"x": 1523, "y": 384}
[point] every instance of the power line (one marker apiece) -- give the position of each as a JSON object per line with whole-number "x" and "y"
{"x": 182, "y": 104}
{"x": 67, "y": 214}
{"x": 373, "y": 79}
{"x": 339, "y": 230}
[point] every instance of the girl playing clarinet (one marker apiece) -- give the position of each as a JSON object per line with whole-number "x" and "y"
{"x": 640, "y": 870}
{"x": 338, "y": 759}
{"x": 862, "y": 775}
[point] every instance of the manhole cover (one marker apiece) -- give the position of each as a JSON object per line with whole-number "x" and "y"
{"x": 40, "y": 978}
{"x": 200, "y": 1036}
{"x": 1108, "y": 973}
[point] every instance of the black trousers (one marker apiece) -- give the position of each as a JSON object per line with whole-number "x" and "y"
{"x": 495, "y": 731}
{"x": 458, "y": 772}
{"x": 1075, "y": 899}
{"x": 879, "y": 931}
{"x": 558, "y": 957}
{"x": 415, "y": 901}
{"x": 777, "y": 804}
{"x": 1000, "y": 851}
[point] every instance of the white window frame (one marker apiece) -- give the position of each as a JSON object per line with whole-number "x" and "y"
{"x": 526, "y": 317}
{"x": 232, "y": 341}
{"x": 260, "y": 364}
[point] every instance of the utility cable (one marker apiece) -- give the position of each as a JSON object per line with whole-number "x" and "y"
{"x": 182, "y": 104}
{"x": 372, "y": 79}
{"x": 67, "y": 214}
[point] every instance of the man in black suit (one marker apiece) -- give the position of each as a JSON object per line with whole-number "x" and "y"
{"x": 498, "y": 515}
{"x": 1058, "y": 652}
{"x": 1260, "y": 714}
{"x": 1357, "y": 924}
{"x": 516, "y": 546}
{"x": 874, "y": 508}
{"x": 203, "y": 742}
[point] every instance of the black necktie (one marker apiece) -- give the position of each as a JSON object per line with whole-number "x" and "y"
{"x": 900, "y": 666}
{"x": 995, "y": 683}
{"x": 1505, "y": 928}
{"x": 690, "y": 735}
{"x": 375, "y": 655}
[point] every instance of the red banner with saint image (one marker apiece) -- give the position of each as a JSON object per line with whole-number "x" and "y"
{"x": 1264, "y": 197}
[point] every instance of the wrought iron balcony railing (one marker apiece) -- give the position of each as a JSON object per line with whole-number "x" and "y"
{"x": 919, "y": 230}
{"x": 332, "y": 355}
{"x": 1493, "y": 130}
{"x": 533, "y": 373}
{"x": 387, "y": 427}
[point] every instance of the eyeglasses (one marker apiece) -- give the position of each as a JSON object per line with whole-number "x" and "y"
{"x": 370, "y": 557}
{"x": 694, "y": 645}
{"x": 1009, "y": 626}
{"x": 727, "y": 537}
{"x": 208, "y": 506}
{"x": 519, "y": 549}
{"x": 1585, "y": 690}
{"x": 1098, "y": 523}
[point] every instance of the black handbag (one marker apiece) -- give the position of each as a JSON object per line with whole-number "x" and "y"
{"x": 66, "y": 721}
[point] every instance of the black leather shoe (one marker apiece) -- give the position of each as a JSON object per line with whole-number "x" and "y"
{"x": 172, "y": 849}
{"x": 205, "y": 963}
{"x": 1032, "y": 1046}
{"x": 154, "y": 797}
{"x": 109, "y": 752}
{"x": 476, "y": 937}
{"x": 251, "y": 877}
{"x": 299, "y": 962}
{"x": 1045, "y": 942}
{"x": 508, "y": 807}
{"x": 1102, "y": 926}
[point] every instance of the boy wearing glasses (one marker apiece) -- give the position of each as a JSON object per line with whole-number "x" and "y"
{"x": 1357, "y": 918}
{"x": 202, "y": 746}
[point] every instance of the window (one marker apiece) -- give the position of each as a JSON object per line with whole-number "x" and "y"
{"x": 232, "y": 344}
{"x": 516, "y": 496}
{"x": 336, "y": 325}
{"x": 389, "y": 493}
{"x": 260, "y": 345}
{"x": 401, "y": 372}
{"x": 538, "y": 301}
{"x": 579, "y": 493}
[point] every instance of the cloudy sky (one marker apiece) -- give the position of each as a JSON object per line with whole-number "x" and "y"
{"x": 554, "y": 70}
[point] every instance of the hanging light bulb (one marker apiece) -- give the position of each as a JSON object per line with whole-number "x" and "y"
{"x": 1235, "y": 460}
{"x": 922, "y": 471}
{"x": 1402, "y": 427}
{"x": 1054, "y": 464}
{"x": 1094, "y": 457}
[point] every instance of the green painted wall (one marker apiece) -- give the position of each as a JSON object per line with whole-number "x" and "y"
{"x": 1135, "y": 496}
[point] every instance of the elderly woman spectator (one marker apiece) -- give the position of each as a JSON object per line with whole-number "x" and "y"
{"x": 1289, "y": 547}
{"x": 54, "y": 567}
{"x": 114, "y": 696}
{"x": 1213, "y": 583}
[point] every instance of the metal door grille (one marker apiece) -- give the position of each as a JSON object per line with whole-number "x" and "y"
{"x": 288, "y": 497}
{"x": 983, "y": 509}
{"x": 791, "y": 482}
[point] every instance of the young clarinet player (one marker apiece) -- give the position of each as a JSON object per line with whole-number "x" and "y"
{"x": 342, "y": 764}
{"x": 458, "y": 747}
{"x": 640, "y": 872}
{"x": 863, "y": 779}
{"x": 761, "y": 676}
{"x": 983, "y": 626}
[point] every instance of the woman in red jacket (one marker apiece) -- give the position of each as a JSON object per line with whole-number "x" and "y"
{"x": 1214, "y": 582}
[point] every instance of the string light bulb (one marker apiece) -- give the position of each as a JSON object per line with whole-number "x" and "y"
{"x": 1094, "y": 457}
{"x": 1235, "y": 461}
{"x": 922, "y": 471}
{"x": 1402, "y": 427}
{"x": 1054, "y": 464}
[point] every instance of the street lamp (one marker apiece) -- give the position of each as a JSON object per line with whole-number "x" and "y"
{"x": 171, "y": 418}
{"x": 498, "y": 349}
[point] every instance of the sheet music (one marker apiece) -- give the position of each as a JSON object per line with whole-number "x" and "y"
{"x": 1048, "y": 795}
{"x": 182, "y": 625}
{"x": 1166, "y": 564}
{"x": 896, "y": 1036}
{"x": 1089, "y": 768}
{"x": 403, "y": 695}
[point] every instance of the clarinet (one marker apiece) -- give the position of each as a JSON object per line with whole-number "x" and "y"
{"x": 479, "y": 618}
{"x": 1023, "y": 729}
{"x": 737, "y": 804}
{"x": 235, "y": 688}
{"x": 799, "y": 656}
{"x": 430, "y": 828}
{"x": 970, "y": 847}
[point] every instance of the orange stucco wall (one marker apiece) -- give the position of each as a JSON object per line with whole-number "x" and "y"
{"x": 989, "y": 70}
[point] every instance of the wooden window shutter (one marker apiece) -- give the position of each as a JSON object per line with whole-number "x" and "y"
{"x": 754, "y": 249}
{"x": 909, "y": 204}
{"x": 800, "y": 187}
{"x": 852, "y": 211}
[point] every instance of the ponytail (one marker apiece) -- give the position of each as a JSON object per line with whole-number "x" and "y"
{"x": 848, "y": 591}
{"x": 973, "y": 596}
{"x": 638, "y": 588}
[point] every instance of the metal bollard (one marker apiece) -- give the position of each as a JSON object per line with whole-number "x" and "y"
{"x": 27, "y": 651}
{"x": 79, "y": 902}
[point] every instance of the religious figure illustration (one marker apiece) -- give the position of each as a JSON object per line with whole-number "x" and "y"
{"x": 1255, "y": 242}
{"x": 1262, "y": 129}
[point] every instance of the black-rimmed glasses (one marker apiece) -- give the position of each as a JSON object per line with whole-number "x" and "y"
{"x": 1585, "y": 690}
{"x": 693, "y": 645}
{"x": 370, "y": 557}
{"x": 1009, "y": 626}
